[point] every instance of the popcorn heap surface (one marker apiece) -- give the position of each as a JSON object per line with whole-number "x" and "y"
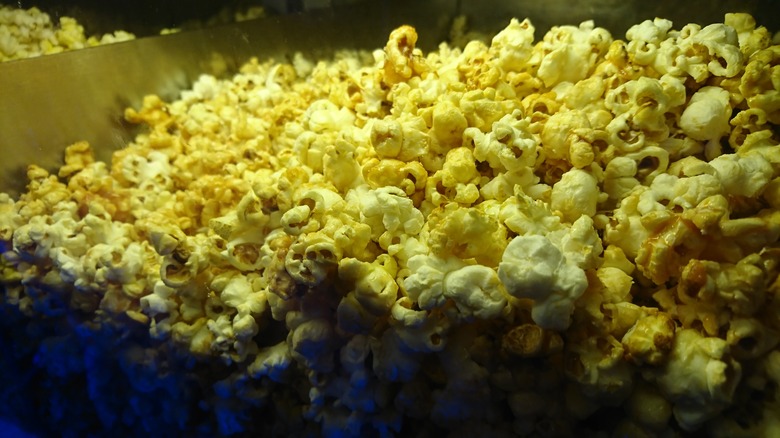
{"x": 534, "y": 239}
{"x": 26, "y": 33}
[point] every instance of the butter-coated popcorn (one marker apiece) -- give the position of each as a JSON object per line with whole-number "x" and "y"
{"x": 507, "y": 147}
{"x": 649, "y": 340}
{"x": 372, "y": 284}
{"x": 389, "y": 213}
{"x": 427, "y": 283}
{"x": 462, "y": 232}
{"x": 701, "y": 394}
{"x": 707, "y": 114}
{"x": 505, "y": 239}
{"x": 575, "y": 195}
{"x": 644, "y": 39}
{"x": 401, "y": 59}
{"x": 26, "y": 33}
{"x": 573, "y": 51}
{"x": 514, "y": 45}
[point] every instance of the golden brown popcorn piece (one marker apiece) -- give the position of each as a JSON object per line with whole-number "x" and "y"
{"x": 672, "y": 242}
{"x": 154, "y": 111}
{"x": 650, "y": 339}
{"x": 476, "y": 68}
{"x": 402, "y": 61}
{"x": 409, "y": 177}
{"x": 530, "y": 340}
{"x": 77, "y": 157}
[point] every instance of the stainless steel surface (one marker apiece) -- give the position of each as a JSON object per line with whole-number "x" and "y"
{"x": 50, "y": 102}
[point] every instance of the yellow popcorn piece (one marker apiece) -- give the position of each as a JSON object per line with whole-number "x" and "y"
{"x": 701, "y": 395}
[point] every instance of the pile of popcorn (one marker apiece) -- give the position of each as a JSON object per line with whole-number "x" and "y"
{"x": 521, "y": 239}
{"x": 26, "y": 33}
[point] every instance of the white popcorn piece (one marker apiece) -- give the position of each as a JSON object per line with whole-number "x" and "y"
{"x": 699, "y": 378}
{"x": 272, "y": 362}
{"x": 525, "y": 216}
{"x": 508, "y": 146}
{"x": 707, "y": 115}
{"x": 476, "y": 291}
{"x": 722, "y": 43}
{"x": 742, "y": 175}
{"x": 388, "y": 212}
{"x": 514, "y": 45}
{"x": 532, "y": 267}
{"x": 645, "y": 37}
{"x": 311, "y": 344}
{"x": 573, "y": 51}
{"x": 575, "y": 195}
{"x": 580, "y": 244}
{"x": 426, "y": 284}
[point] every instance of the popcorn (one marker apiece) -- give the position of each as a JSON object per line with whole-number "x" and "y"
{"x": 387, "y": 138}
{"x": 475, "y": 291}
{"x": 645, "y": 37}
{"x": 701, "y": 394}
{"x": 504, "y": 239}
{"x": 461, "y": 232}
{"x": 707, "y": 114}
{"x": 28, "y": 33}
{"x": 372, "y": 292}
{"x": 597, "y": 365}
{"x": 743, "y": 175}
{"x": 389, "y": 213}
{"x": 514, "y": 45}
{"x": 572, "y": 52}
{"x": 508, "y": 147}
{"x": 532, "y": 267}
{"x": 311, "y": 259}
{"x": 426, "y": 284}
{"x": 647, "y": 407}
{"x": 575, "y": 195}
{"x": 311, "y": 344}
{"x": 530, "y": 340}
{"x": 649, "y": 339}
{"x": 448, "y": 125}
{"x": 402, "y": 60}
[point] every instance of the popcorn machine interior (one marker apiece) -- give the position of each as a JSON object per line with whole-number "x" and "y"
{"x": 364, "y": 218}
